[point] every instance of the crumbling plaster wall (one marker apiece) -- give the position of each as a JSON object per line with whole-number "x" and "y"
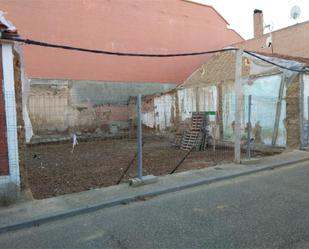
{"x": 164, "y": 112}
{"x": 220, "y": 71}
{"x": 20, "y": 120}
{"x": 66, "y": 106}
{"x": 218, "y": 75}
{"x": 16, "y": 180}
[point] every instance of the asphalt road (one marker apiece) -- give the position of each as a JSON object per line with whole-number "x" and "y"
{"x": 265, "y": 210}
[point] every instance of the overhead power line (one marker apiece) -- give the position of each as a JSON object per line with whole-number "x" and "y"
{"x": 45, "y": 44}
{"x": 96, "y": 51}
{"x": 275, "y": 64}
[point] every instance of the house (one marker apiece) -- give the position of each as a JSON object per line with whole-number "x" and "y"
{"x": 12, "y": 116}
{"x": 82, "y": 92}
{"x": 279, "y": 110}
{"x": 291, "y": 40}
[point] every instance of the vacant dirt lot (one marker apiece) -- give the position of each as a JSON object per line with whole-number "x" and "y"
{"x": 54, "y": 170}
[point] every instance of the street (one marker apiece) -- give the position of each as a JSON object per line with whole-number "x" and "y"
{"x": 264, "y": 210}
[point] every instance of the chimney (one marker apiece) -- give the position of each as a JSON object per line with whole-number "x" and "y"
{"x": 258, "y": 23}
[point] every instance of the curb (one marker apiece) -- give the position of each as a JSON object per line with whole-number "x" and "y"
{"x": 122, "y": 201}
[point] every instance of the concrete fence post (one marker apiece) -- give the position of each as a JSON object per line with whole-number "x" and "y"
{"x": 307, "y": 142}
{"x": 249, "y": 127}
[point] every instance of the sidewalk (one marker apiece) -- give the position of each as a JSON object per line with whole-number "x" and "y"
{"x": 41, "y": 211}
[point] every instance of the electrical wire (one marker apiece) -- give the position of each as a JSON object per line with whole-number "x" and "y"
{"x": 45, "y": 44}
{"x": 275, "y": 64}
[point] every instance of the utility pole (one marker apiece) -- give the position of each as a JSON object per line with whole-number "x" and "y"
{"x": 238, "y": 105}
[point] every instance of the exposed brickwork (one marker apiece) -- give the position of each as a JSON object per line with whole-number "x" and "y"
{"x": 220, "y": 70}
{"x": 4, "y": 166}
{"x": 258, "y": 23}
{"x": 220, "y": 67}
{"x": 4, "y": 170}
{"x": 20, "y": 122}
{"x": 293, "y": 114}
{"x": 292, "y": 41}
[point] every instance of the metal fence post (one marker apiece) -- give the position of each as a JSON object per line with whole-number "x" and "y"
{"x": 307, "y": 142}
{"x": 238, "y": 105}
{"x": 139, "y": 137}
{"x": 249, "y": 128}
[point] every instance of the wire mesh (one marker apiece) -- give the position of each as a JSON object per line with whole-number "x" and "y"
{"x": 267, "y": 127}
{"x": 181, "y": 134}
{"x": 77, "y": 147}
{"x": 8, "y": 136}
{"x": 85, "y": 144}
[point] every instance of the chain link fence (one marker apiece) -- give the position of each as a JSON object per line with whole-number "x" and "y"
{"x": 77, "y": 147}
{"x": 180, "y": 134}
{"x": 264, "y": 130}
{"x": 90, "y": 145}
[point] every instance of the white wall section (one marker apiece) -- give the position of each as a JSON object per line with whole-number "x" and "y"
{"x": 10, "y": 110}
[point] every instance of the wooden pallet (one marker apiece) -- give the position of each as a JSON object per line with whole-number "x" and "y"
{"x": 178, "y": 139}
{"x": 189, "y": 140}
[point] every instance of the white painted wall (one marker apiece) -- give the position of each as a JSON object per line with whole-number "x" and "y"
{"x": 164, "y": 111}
{"x": 306, "y": 95}
{"x": 161, "y": 116}
{"x": 10, "y": 109}
{"x": 187, "y": 102}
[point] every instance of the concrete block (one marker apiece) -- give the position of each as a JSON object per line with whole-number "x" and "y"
{"x": 9, "y": 193}
{"x": 135, "y": 182}
{"x": 250, "y": 161}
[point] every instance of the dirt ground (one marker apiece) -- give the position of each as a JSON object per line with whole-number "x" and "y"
{"x": 54, "y": 170}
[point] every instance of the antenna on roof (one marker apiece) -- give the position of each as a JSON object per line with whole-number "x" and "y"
{"x": 295, "y": 12}
{"x": 269, "y": 39}
{"x": 269, "y": 26}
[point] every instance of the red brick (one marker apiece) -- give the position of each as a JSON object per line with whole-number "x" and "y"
{"x": 291, "y": 41}
{"x": 4, "y": 165}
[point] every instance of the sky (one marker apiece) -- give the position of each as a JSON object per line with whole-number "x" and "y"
{"x": 239, "y": 13}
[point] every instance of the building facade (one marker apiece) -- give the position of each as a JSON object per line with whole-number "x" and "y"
{"x": 136, "y": 26}
{"x": 80, "y": 92}
{"x": 279, "y": 100}
{"x": 290, "y": 41}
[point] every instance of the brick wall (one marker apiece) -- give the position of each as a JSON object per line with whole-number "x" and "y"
{"x": 293, "y": 114}
{"x": 220, "y": 70}
{"x": 291, "y": 41}
{"x": 4, "y": 168}
{"x": 220, "y": 67}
